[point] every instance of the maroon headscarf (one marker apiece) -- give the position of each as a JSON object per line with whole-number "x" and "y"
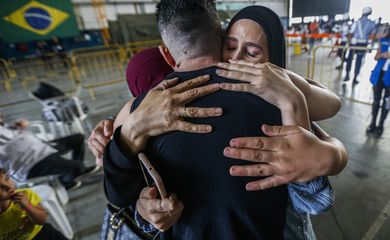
{"x": 145, "y": 70}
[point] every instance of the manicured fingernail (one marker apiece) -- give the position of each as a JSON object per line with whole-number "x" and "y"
{"x": 233, "y": 142}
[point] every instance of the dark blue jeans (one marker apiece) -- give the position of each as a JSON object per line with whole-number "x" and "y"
{"x": 360, "y": 54}
{"x": 379, "y": 88}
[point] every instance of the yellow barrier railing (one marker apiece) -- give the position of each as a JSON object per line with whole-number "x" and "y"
{"x": 296, "y": 60}
{"x": 103, "y": 66}
{"x": 134, "y": 47}
{"x": 55, "y": 69}
{"x": 6, "y": 74}
{"x": 98, "y": 69}
{"x": 324, "y": 70}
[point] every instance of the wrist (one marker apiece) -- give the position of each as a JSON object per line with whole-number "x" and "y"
{"x": 294, "y": 111}
{"x": 26, "y": 206}
{"x": 133, "y": 137}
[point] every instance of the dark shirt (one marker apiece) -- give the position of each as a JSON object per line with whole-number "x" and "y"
{"x": 216, "y": 205}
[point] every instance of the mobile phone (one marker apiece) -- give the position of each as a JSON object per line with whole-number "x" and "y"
{"x": 154, "y": 174}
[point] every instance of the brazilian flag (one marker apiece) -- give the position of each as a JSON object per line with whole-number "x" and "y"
{"x": 29, "y": 20}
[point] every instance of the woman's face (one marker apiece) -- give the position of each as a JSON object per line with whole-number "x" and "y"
{"x": 245, "y": 40}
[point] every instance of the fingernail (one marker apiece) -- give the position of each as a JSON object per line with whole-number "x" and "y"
{"x": 250, "y": 187}
{"x": 206, "y": 76}
{"x": 226, "y": 151}
{"x": 216, "y": 85}
{"x": 220, "y": 64}
{"x": 233, "y": 142}
{"x": 222, "y": 85}
{"x": 218, "y": 111}
{"x": 219, "y": 71}
{"x": 209, "y": 128}
{"x": 266, "y": 128}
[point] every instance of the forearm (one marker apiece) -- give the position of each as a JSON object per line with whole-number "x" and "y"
{"x": 321, "y": 103}
{"x": 36, "y": 214}
{"x": 120, "y": 169}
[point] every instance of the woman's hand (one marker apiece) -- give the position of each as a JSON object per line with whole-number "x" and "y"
{"x": 163, "y": 110}
{"x": 289, "y": 154}
{"x": 282, "y": 88}
{"x": 161, "y": 213}
{"x": 266, "y": 80}
{"x": 271, "y": 83}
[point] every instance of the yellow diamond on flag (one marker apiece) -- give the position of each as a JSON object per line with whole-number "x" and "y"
{"x": 37, "y": 17}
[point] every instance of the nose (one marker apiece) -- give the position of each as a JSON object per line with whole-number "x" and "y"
{"x": 236, "y": 54}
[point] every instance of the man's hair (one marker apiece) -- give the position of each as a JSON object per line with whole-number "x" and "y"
{"x": 3, "y": 171}
{"x": 189, "y": 28}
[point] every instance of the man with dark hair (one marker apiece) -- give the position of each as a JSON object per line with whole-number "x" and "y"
{"x": 217, "y": 206}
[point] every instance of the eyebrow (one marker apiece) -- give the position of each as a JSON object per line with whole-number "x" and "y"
{"x": 251, "y": 44}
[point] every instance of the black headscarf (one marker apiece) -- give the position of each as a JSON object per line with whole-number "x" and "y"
{"x": 273, "y": 29}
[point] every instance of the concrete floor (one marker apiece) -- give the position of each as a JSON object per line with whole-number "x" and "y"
{"x": 362, "y": 207}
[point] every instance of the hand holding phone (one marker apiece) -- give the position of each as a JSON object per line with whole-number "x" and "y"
{"x": 154, "y": 174}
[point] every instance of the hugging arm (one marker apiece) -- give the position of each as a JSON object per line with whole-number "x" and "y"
{"x": 280, "y": 87}
{"x": 162, "y": 110}
{"x": 287, "y": 154}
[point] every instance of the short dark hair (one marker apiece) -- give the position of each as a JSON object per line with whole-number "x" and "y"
{"x": 189, "y": 28}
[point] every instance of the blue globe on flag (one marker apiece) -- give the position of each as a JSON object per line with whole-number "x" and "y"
{"x": 38, "y": 18}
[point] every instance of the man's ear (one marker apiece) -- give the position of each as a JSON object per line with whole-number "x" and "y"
{"x": 167, "y": 56}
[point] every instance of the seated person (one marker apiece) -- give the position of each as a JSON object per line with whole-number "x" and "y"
{"x": 21, "y": 214}
{"x": 26, "y": 156}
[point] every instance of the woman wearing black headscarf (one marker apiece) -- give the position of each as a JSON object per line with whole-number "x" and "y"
{"x": 255, "y": 47}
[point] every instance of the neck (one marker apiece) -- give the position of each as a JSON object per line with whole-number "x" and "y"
{"x": 197, "y": 63}
{"x": 4, "y": 205}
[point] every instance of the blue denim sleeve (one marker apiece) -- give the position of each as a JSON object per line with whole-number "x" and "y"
{"x": 144, "y": 225}
{"x": 313, "y": 197}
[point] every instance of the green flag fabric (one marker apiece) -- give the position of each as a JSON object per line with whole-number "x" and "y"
{"x": 29, "y": 20}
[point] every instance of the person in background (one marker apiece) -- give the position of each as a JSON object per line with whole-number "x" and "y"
{"x": 21, "y": 215}
{"x": 313, "y": 28}
{"x": 361, "y": 32}
{"x": 58, "y": 48}
{"x": 380, "y": 79}
{"x": 26, "y": 156}
{"x": 344, "y": 31}
{"x": 43, "y": 52}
